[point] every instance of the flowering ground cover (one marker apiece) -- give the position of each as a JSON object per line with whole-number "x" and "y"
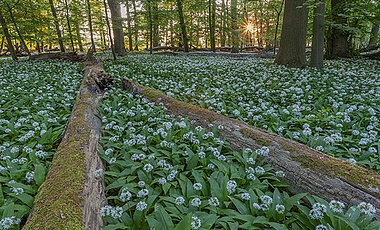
{"x": 36, "y": 101}
{"x": 335, "y": 111}
{"x": 162, "y": 173}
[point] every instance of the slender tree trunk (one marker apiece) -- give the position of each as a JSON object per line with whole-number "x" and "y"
{"x": 90, "y": 25}
{"x": 150, "y": 27}
{"x": 156, "y": 37}
{"x": 56, "y": 22}
{"x": 109, "y": 30}
{"x": 38, "y": 47}
{"x": 136, "y": 29}
{"x": 318, "y": 35}
{"x": 223, "y": 27}
{"x": 235, "y": 32}
{"x": 18, "y": 30}
{"x": 211, "y": 16}
{"x": 337, "y": 39}
{"x": 42, "y": 47}
{"x": 79, "y": 38}
{"x": 277, "y": 23}
{"x": 374, "y": 32}
{"x": 130, "y": 41}
{"x": 293, "y": 35}
{"x": 2, "y": 44}
{"x": 183, "y": 26}
{"x": 69, "y": 26}
{"x": 8, "y": 37}
{"x": 117, "y": 27}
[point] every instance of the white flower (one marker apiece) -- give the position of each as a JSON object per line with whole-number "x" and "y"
{"x": 195, "y": 222}
{"x": 266, "y": 199}
{"x": 29, "y": 176}
{"x": 280, "y": 173}
{"x": 141, "y": 206}
{"x": 316, "y": 214}
{"x": 213, "y": 201}
{"x": 98, "y": 173}
{"x": 319, "y": 206}
{"x": 179, "y": 200}
{"x": 260, "y": 170}
{"x": 141, "y": 184}
{"x": 142, "y": 193}
{"x": 125, "y": 195}
{"x": 245, "y": 196}
{"x": 162, "y": 180}
{"x": 231, "y": 186}
{"x": 321, "y": 227}
{"x": 256, "y": 206}
{"x": 197, "y": 186}
{"x": 336, "y": 206}
{"x": 148, "y": 167}
{"x": 280, "y": 208}
{"x": 367, "y": 208}
{"x": 114, "y": 212}
{"x": 196, "y": 202}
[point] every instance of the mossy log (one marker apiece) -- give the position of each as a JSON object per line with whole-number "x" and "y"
{"x": 72, "y": 195}
{"x": 306, "y": 169}
{"x": 68, "y": 56}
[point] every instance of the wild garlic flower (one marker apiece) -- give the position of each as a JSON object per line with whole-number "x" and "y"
{"x": 231, "y": 186}
{"x": 337, "y": 206}
{"x": 179, "y": 200}
{"x": 367, "y": 208}
{"x": 195, "y": 222}
{"x": 213, "y": 201}
{"x": 196, "y": 202}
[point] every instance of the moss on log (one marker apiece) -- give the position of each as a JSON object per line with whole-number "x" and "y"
{"x": 72, "y": 195}
{"x": 306, "y": 169}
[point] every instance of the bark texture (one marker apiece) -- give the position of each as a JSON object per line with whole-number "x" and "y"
{"x": 8, "y": 37}
{"x": 183, "y": 25}
{"x": 306, "y": 169}
{"x": 318, "y": 35}
{"x": 235, "y": 32}
{"x": 56, "y": 22}
{"x": 293, "y": 35}
{"x": 69, "y": 56}
{"x": 72, "y": 195}
{"x": 117, "y": 26}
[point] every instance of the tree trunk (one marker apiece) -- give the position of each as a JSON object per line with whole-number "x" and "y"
{"x": 79, "y": 38}
{"x": 7, "y": 36}
{"x": 293, "y": 35}
{"x": 318, "y": 35}
{"x": 277, "y": 23}
{"x": 223, "y": 27}
{"x": 18, "y": 30}
{"x": 38, "y": 47}
{"x": 69, "y": 25}
{"x": 156, "y": 33}
{"x": 150, "y": 27}
{"x": 56, "y": 22}
{"x": 130, "y": 41}
{"x": 72, "y": 194}
{"x": 235, "y": 32}
{"x": 211, "y": 16}
{"x": 90, "y": 25}
{"x": 2, "y": 44}
{"x": 117, "y": 27}
{"x": 135, "y": 25}
{"x": 306, "y": 169}
{"x": 373, "y": 39}
{"x": 183, "y": 25}
{"x": 109, "y": 30}
{"x": 337, "y": 39}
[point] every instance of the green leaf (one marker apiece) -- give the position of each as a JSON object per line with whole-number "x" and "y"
{"x": 348, "y": 221}
{"x": 39, "y": 174}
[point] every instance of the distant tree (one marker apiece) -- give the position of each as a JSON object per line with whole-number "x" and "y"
{"x": 89, "y": 15}
{"x": 211, "y": 16}
{"x": 318, "y": 35}
{"x": 7, "y": 36}
{"x": 56, "y": 22}
{"x": 293, "y": 35}
{"x": 130, "y": 40}
{"x": 69, "y": 25}
{"x": 183, "y": 25}
{"x": 117, "y": 26}
{"x": 234, "y": 25}
{"x": 373, "y": 37}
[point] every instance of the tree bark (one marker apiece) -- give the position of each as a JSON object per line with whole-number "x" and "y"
{"x": 373, "y": 39}
{"x": 211, "y": 16}
{"x": 293, "y": 35}
{"x": 72, "y": 194}
{"x": 130, "y": 41}
{"x": 7, "y": 36}
{"x": 2, "y": 44}
{"x": 109, "y": 30}
{"x": 223, "y": 26}
{"x": 18, "y": 30}
{"x": 306, "y": 169}
{"x": 183, "y": 25}
{"x": 69, "y": 25}
{"x": 117, "y": 27}
{"x": 235, "y": 32}
{"x": 136, "y": 30}
{"x": 90, "y": 25}
{"x": 337, "y": 39}
{"x": 318, "y": 35}
{"x": 277, "y": 23}
{"x": 56, "y": 22}
{"x": 150, "y": 27}
{"x": 156, "y": 32}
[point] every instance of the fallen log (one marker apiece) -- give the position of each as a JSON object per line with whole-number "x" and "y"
{"x": 73, "y": 193}
{"x": 306, "y": 169}
{"x": 68, "y": 56}
{"x": 225, "y": 54}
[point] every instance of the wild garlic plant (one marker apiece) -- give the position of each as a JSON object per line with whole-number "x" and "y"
{"x": 163, "y": 173}
{"x": 36, "y": 100}
{"x": 335, "y": 110}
